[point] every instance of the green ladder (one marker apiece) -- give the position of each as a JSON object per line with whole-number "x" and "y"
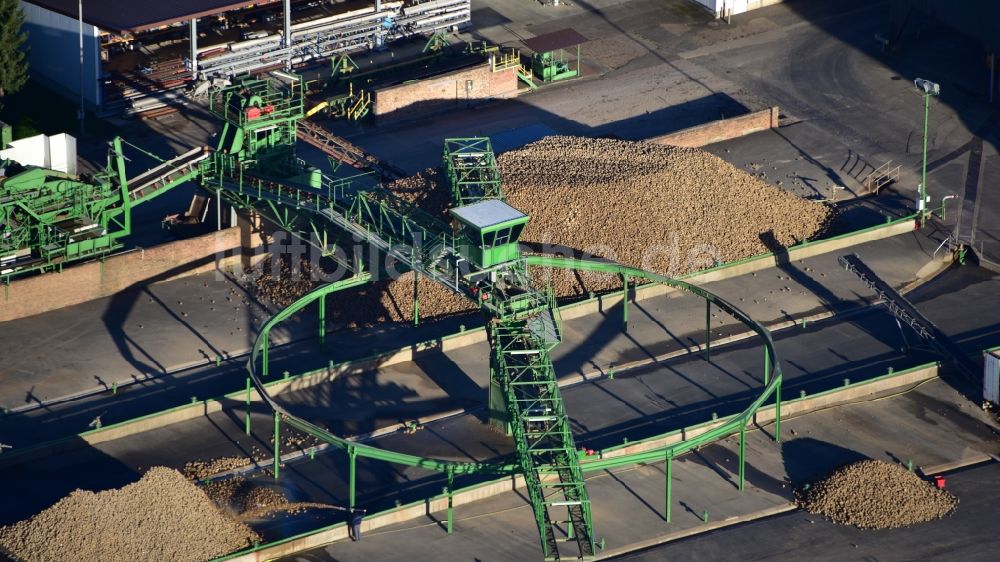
{"x": 541, "y": 430}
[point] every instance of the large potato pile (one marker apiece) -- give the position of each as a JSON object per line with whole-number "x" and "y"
{"x": 873, "y": 494}
{"x": 163, "y": 516}
{"x": 666, "y": 209}
{"x": 662, "y": 208}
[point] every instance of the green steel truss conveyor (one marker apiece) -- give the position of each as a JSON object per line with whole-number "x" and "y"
{"x": 255, "y": 165}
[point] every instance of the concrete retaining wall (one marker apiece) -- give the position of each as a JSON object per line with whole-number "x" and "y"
{"x": 84, "y": 282}
{"x": 723, "y": 129}
{"x": 453, "y": 89}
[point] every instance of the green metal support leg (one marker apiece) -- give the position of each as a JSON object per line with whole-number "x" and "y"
{"x": 352, "y": 455}
{"x": 767, "y": 366}
{"x": 248, "y": 406}
{"x": 322, "y": 320}
{"x": 451, "y": 510}
{"x": 777, "y": 413}
{"x": 743, "y": 456}
{"x": 263, "y": 353}
{"x": 708, "y": 330}
{"x": 277, "y": 443}
{"x": 624, "y": 303}
{"x": 669, "y": 473}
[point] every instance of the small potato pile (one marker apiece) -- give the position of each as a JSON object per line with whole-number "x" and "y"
{"x": 873, "y": 494}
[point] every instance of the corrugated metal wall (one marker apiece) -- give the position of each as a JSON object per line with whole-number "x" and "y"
{"x": 55, "y": 52}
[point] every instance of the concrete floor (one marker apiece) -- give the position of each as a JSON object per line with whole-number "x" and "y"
{"x": 148, "y": 335}
{"x": 929, "y": 425}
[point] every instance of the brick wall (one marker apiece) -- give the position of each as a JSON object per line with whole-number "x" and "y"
{"x": 446, "y": 91}
{"x": 723, "y": 129}
{"x": 93, "y": 280}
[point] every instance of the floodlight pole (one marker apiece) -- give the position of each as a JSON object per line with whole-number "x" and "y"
{"x": 922, "y": 207}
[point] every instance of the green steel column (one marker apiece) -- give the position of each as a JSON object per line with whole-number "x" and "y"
{"x": 352, "y": 454}
{"x": 767, "y": 365}
{"x": 669, "y": 474}
{"x": 277, "y": 443}
{"x": 451, "y": 511}
{"x": 708, "y": 330}
{"x": 416, "y": 298}
{"x": 777, "y": 413}
{"x": 322, "y": 319}
{"x": 921, "y": 207}
{"x": 743, "y": 453}
{"x": 625, "y": 303}
{"x": 248, "y": 406}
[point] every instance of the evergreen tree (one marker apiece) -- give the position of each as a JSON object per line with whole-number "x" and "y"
{"x": 13, "y": 66}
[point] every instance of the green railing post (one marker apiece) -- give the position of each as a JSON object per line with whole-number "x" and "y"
{"x": 248, "y": 406}
{"x": 777, "y": 413}
{"x": 277, "y": 443}
{"x": 708, "y": 330}
{"x": 624, "y": 303}
{"x": 743, "y": 452}
{"x": 669, "y": 476}
{"x": 451, "y": 510}
{"x": 322, "y": 320}
{"x": 352, "y": 454}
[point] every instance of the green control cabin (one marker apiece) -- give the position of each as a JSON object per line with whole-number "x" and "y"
{"x": 490, "y": 230}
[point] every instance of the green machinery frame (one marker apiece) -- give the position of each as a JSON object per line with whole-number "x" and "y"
{"x": 471, "y": 169}
{"x": 560, "y": 64}
{"x": 49, "y": 218}
{"x": 255, "y": 165}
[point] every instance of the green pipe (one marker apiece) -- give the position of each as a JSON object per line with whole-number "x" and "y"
{"x": 277, "y": 443}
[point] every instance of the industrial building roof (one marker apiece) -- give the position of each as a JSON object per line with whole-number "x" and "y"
{"x": 556, "y": 40}
{"x": 487, "y": 213}
{"x": 138, "y": 15}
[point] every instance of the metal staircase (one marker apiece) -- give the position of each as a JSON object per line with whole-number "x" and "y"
{"x": 541, "y": 430}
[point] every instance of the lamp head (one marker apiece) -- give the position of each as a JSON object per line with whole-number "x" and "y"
{"x": 927, "y": 87}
